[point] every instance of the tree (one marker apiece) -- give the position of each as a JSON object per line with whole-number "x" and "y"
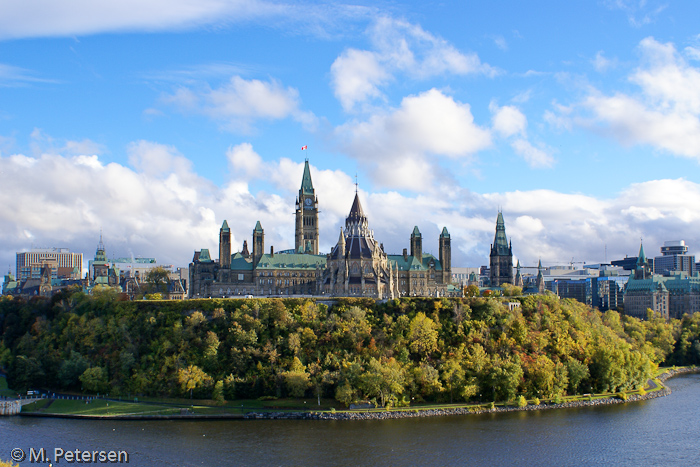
{"x": 384, "y": 379}
{"x": 95, "y": 380}
{"x": 218, "y": 395}
{"x": 471, "y": 291}
{"x": 422, "y": 335}
{"x": 191, "y": 378}
{"x": 158, "y": 279}
{"x": 297, "y": 379}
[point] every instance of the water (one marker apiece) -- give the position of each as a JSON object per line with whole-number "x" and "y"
{"x": 662, "y": 431}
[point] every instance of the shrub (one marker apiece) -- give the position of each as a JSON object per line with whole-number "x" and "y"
{"x": 492, "y": 405}
{"x": 536, "y": 401}
{"x": 558, "y": 399}
{"x": 642, "y": 392}
{"x": 622, "y": 396}
{"x": 332, "y": 409}
{"x": 522, "y": 402}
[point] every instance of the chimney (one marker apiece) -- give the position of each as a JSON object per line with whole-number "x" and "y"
{"x": 272, "y": 251}
{"x": 405, "y": 254}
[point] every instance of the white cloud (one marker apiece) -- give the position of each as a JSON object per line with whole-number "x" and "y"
{"x": 664, "y": 113}
{"x": 397, "y": 47}
{"x": 239, "y": 103}
{"x": 500, "y": 42}
{"x": 244, "y": 161}
{"x": 356, "y": 75}
{"x": 535, "y": 157}
{"x": 508, "y": 120}
{"x": 12, "y": 76}
{"x": 167, "y": 213}
{"x": 602, "y": 64}
{"x": 397, "y": 144}
{"x": 639, "y": 12}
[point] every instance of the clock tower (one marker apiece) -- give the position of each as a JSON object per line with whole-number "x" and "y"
{"x": 306, "y": 230}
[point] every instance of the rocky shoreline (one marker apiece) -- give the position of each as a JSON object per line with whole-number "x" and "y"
{"x": 413, "y": 413}
{"x": 388, "y": 414}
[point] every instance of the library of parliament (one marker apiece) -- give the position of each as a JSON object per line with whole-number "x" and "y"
{"x": 357, "y": 265}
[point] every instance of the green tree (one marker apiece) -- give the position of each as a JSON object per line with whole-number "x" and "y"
{"x": 218, "y": 394}
{"x": 297, "y": 379}
{"x": 422, "y": 335}
{"x": 95, "y": 380}
{"x": 192, "y": 378}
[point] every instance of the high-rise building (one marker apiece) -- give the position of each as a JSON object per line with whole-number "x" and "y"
{"x": 674, "y": 258}
{"x": 63, "y": 263}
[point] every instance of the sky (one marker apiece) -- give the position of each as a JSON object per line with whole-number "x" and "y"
{"x": 153, "y": 122}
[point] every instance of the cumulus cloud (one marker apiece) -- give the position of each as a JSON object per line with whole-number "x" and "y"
{"x": 508, "y": 120}
{"x": 238, "y": 103}
{"x": 159, "y": 207}
{"x": 399, "y": 142}
{"x": 534, "y": 156}
{"x": 397, "y": 47}
{"x": 664, "y": 113}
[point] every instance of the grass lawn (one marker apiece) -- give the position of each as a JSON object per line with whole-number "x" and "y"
{"x": 99, "y": 407}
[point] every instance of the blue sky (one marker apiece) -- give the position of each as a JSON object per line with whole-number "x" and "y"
{"x": 155, "y": 121}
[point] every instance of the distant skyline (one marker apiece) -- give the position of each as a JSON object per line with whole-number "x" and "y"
{"x": 155, "y": 121}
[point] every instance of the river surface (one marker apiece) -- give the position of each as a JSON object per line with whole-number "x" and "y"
{"x": 663, "y": 431}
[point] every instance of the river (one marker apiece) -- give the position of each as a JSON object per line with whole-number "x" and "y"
{"x": 663, "y": 431}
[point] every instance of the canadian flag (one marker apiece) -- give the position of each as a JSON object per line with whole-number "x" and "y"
{"x": 303, "y": 147}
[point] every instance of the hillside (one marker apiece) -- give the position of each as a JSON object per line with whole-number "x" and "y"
{"x": 401, "y": 351}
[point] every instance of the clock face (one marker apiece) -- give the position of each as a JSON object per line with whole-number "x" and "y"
{"x": 307, "y": 201}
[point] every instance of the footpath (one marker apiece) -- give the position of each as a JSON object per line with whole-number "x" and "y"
{"x": 394, "y": 413}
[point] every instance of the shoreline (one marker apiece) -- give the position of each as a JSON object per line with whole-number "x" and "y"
{"x": 386, "y": 414}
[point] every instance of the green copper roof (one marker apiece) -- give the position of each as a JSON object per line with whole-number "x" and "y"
{"x": 642, "y": 257}
{"x": 650, "y": 284}
{"x": 445, "y": 233}
{"x": 411, "y": 263}
{"x": 307, "y": 187}
{"x": 204, "y": 256}
{"x": 258, "y": 227}
{"x": 239, "y": 263}
{"x": 291, "y": 261}
{"x": 224, "y": 226}
{"x": 500, "y": 242}
{"x": 416, "y": 232}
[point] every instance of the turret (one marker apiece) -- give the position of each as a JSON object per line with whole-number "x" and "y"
{"x": 258, "y": 243}
{"x": 306, "y": 231}
{"x": 417, "y": 245}
{"x": 225, "y": 246}
{"x": 445, "y": 247}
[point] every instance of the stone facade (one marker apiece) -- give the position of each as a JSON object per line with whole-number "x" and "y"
{"x": 501, "y": 257}
{"x": 356, "y": 266}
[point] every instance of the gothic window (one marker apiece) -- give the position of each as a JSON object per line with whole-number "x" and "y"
{"x": 355, "y": 267}
{"x": 367, "y": 268}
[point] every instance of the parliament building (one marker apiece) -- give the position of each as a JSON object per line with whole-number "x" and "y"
{"x": 357, "y": 265}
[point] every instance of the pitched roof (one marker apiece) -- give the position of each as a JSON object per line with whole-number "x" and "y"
{"x": 416, "y": 232}
{"x": 445, "y": 233}
{"x": 224, "y": 226}
{"x": 356, "y": 209}
{"x": 500, "y": 242}
{"x": 411, "y": 263}
{"x": 307, "y": 187}
{"x": 258, "y": 227}
{"x": 291, "y": 261}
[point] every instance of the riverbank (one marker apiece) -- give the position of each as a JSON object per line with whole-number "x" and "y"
{"x": 379, "y": 414}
